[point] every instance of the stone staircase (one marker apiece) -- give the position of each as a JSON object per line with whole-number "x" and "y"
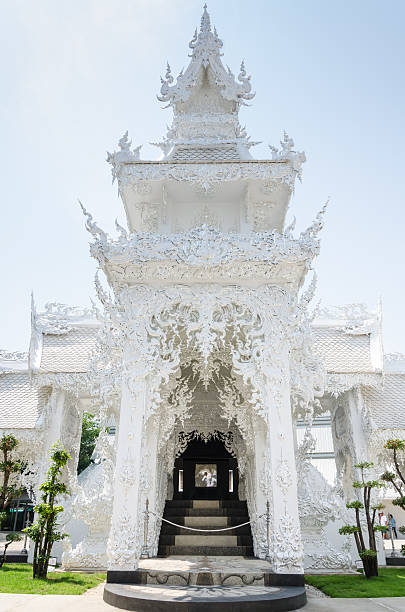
{"x": 205, "y": 514}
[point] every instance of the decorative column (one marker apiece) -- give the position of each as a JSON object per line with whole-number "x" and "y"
{"x": 287, "y": 553}
{"x": 124, "y": 545}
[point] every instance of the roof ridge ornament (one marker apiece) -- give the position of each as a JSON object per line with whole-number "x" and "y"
{"x": 206, "y": 96}
{"x": 205, "y": 26}
{"x": 205, "y": 46}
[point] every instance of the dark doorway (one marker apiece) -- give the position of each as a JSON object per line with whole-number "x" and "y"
{"x": 206, "y": 470}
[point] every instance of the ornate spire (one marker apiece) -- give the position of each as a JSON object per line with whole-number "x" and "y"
{"x": 205, "y": 21}
{"x": 206, "y": 98}
{"x": 206, "y": 47}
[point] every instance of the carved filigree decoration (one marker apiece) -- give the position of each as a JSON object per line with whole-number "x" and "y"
{"x": 13, "y": 356}
{"x": 59, "y": 319}
{"x": 286, "y": 152}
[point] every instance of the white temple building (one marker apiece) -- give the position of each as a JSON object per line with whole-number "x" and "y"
{"x": 222, "y": 383}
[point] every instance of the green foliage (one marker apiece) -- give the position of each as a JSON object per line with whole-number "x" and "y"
{"x": 17, "y": 578}
{"x": 8, "y": 467}
{"x": 396, "y": 479}
{"x": 367, "y": 555}
{"x": 378, "y": 507}
{"x": 388, "y": 476}
{"x": 90, "y": 432}
{"x": 380, "y": 528}
{"x": 3, "y": 518}
{"x": 371, "y": 484}
{"x": 401, "y": 530}
{"x": 364, "y": 465}
{"x": 403, "y": 550}
{"x": 354, "y": 504}
{"x": 10, "y": 538}
{"x": 389, "y": 583}
{"x": 44, "y": 532}
{"x": 348, "y": 529}
{"x": 395, "y": 444}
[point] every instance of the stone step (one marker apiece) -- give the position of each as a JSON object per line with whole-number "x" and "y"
{"x": 219, "y": 520}
{"x": 207, "y": 514}
{"x": 204, "y": 598}
{"x": 205, "y": 540}
{"x": 209, "y": 522}
{"x": 171, "y": 530}
{"x": 176, "y": 510}
{"x": 226, "y": 551}
{"x": 206, "y": 503}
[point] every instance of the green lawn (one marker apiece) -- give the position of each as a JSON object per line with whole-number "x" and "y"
{"x": 389, "y": 583}
{"x": 17, "y": 578}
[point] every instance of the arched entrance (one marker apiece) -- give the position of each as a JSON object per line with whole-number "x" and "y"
{"x": 206, "y": 470}
{"x": 205, "y": 512}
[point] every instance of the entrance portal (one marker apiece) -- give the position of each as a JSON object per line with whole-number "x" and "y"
{"x": 206, "y": 470}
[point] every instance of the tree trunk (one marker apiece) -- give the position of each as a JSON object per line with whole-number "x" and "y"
{"x": 370, "y": 566}
{"x": 35, "y": 562}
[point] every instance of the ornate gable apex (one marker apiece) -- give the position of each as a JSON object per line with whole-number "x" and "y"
{"x": 206, "y": 58}
{"x": 206, "y": 99}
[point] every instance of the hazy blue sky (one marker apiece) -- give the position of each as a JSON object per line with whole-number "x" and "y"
{"x": 76, "y": 74}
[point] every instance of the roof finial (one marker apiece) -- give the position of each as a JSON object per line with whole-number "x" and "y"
{"x": 205, "y": 22}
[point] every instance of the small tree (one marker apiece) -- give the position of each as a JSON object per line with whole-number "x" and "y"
{"x": 367, "y": 555}
{"x": 44, "y": 531}
{"x": 8, "y": 489}
{"x": 90, "y": 432}
{"x": 396, "y": 478}
{"x": 10, "y": 538}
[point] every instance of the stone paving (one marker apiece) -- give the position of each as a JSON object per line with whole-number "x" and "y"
{"x": 92, "y": 601}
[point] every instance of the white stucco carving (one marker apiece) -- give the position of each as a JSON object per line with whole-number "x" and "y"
{"x": 204, "y": 333}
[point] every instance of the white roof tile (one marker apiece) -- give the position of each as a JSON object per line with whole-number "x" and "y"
{"x": 342, "y": 352}
{"x": 18, "y": 401}
{"x": 387, "y": 405}
{"x": 68, "y": 352}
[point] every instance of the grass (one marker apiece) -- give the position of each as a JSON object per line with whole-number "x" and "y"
{"x": 390, "y": 582}
{"x": 17, "y": 578}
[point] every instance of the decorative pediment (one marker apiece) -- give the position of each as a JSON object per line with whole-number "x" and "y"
{"x": 206, "y": 71}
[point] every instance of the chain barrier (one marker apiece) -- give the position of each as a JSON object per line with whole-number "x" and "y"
{"x": 206, "y": 530}
{"x": 147, "y": 512}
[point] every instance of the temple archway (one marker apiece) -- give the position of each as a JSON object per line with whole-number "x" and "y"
{"x": 206, "y": 469}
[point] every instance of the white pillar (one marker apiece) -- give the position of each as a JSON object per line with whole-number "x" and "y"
{"x": 262, "y": 492}
{"x": 125, "y": 541}
{"x": 287, "y": 546}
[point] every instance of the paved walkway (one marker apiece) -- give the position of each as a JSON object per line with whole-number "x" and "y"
{"x": 92, "y": 601}
{"x": 382, "y": 604}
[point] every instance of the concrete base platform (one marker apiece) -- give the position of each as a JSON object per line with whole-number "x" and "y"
{"x": 204, "y": 583}
{"x": 204, "y": 571}
{"x": 145, "y": 598}
{"x": 395, "y": 560}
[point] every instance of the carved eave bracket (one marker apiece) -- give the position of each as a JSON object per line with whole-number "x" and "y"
{"x": 205, "y": 254}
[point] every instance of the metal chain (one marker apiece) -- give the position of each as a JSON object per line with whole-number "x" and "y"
{"x": 206, "y": 530}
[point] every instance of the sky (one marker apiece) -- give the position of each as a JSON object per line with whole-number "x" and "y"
{"x": 76, "y": 74}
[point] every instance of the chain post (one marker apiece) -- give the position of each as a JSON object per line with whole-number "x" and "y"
{"x": 145, "y": 549}
{"x": 268, "y": 556}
